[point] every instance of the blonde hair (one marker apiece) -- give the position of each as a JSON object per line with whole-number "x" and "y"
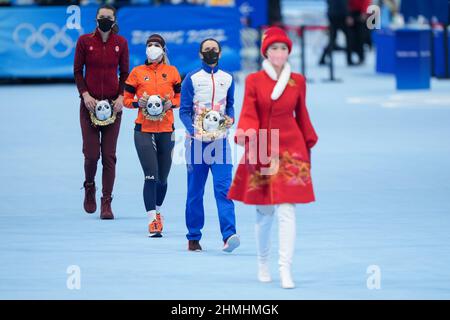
{"x": 165, "y": 59}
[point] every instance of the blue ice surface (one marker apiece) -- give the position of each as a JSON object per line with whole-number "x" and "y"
{"x": 382, "y": 181}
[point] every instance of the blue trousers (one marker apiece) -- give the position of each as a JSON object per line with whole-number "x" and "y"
{"x": 200, "y": 158}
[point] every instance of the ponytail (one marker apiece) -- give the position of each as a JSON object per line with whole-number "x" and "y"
{"x": 166, "y": 59}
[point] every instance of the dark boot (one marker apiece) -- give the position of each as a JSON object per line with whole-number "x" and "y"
{"x": 90, "y": 205}
{"x": 106, "y": 211}
{"x": 194, "y": 245}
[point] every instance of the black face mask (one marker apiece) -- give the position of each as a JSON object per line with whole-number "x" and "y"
{"x": 105, "y": 24}
{"x": 210, "y": 57}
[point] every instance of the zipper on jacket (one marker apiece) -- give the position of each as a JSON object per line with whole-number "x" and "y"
{"x": 214, "y": 89}
{"x": 156, "y": 90}
{"x": 103, "y": 69}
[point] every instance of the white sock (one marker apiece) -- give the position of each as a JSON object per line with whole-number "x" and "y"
{"x": 151, "y": 215}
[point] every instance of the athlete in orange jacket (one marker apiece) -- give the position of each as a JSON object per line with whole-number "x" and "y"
{"x": 153, "y": 134}
{"x": 153, "y": 78}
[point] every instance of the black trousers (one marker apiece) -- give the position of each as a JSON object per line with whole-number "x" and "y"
{"x": 357, "y": 35}
{"x": 155, "y": 154}
{"x": 337, "y": 23}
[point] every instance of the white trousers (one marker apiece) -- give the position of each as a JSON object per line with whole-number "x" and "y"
{"x": 286, "y": 233}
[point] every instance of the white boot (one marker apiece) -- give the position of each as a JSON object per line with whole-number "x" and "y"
{"x": 264, "y": 272}
{"x": 286, "y": 233}
{"x": 264, "y": 218}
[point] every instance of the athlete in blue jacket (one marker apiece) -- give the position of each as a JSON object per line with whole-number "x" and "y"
{"x": 208, "y": 88}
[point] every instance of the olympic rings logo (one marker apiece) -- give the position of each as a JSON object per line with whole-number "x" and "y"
{"x": 37, "y": 43}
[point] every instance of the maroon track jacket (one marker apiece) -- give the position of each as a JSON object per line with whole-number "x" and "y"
{"x": 100, "y": 61}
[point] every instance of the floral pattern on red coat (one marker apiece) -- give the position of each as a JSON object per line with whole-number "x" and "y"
{"x": 290, "y": 181}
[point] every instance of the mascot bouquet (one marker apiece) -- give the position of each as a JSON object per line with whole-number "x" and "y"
{"x": 211, "y": 125}
{"x": 104, "y": 114}
{"x": 155, "y": 108}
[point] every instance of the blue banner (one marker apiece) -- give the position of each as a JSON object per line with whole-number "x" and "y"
{"x": 40, "y": 42}
{"x": 183, "y": 28}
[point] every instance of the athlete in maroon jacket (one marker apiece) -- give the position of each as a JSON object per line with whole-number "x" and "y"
{"x": 100, "y": 55}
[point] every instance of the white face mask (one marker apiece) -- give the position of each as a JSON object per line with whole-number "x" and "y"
{"x": 154, "y": 53}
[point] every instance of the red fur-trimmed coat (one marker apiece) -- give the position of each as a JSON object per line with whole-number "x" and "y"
{"x": 290, "y": 181}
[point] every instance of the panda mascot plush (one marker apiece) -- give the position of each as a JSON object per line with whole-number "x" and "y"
{"x": 154, "y": 109}
{"x": 103, "y": 110}
{"x": 103, "y": 114}
{"x": 212, "y": 121}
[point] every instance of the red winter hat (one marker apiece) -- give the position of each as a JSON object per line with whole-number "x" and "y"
{"x": 272, "y": 35}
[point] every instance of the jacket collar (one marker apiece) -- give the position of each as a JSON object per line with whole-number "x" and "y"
{"x": 282, "y": 81}
{"x": 209, "y": 69}
{"x": 99, "y": 36}
{"x": 154, "y": 66}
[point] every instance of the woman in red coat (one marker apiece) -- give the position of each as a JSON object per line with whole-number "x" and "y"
{"x": 98, "y": 58}
{"x": 275, "y": 172}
